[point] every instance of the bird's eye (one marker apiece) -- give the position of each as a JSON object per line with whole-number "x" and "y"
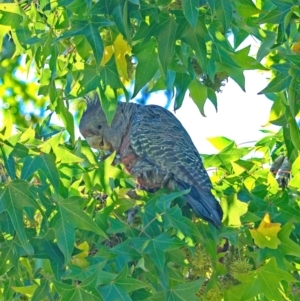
{"x": 99, "y": 127}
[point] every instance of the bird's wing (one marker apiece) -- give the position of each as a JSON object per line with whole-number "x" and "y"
{"x": 157, "y": 134}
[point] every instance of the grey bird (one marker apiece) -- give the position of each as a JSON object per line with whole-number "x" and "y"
{"x": 155, "y": 149}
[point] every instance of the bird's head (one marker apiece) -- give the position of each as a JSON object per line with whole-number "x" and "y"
{"x": 94, "y": 127}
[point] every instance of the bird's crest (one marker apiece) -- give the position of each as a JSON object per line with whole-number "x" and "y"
{"x": 91, "y": 99}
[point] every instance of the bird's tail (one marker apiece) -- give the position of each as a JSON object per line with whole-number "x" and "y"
{"x": 204, "y": 204}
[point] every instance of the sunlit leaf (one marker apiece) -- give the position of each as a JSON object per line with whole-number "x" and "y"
{"x": 266, "y": 235}
{"x": 264, "y": 280}
{"x": 26, "y": 290}
{"x": 220, "y": 142}
{"x": 121, "y": 48}
{"x": 233, "y": 209}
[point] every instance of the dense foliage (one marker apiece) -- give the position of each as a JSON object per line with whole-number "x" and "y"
{"x": 66, "y": 226}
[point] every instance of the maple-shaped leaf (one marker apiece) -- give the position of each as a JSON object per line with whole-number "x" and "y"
{"x": 71, "y": 216}
{"x": 173, "y": 219}
{"x": 13, "y": 198}
{"x": 184, "y": 291}
{"x": 266, "y": 233}
{"x": 121, "y": 286}
{"x": 85, "y": 291}
{"x": 288, "y": 246}
{"x": 157, "y": 247}
{"x": 46, "y": 164}
{"x": 265, "y": 280}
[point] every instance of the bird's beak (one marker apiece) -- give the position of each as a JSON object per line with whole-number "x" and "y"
{"x": 98, "y": 142}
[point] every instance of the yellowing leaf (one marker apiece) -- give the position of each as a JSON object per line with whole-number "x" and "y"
{"x": 296, "y": 47}
{"x": 85, "y": 248}
{"x": 266, "y": 233}
{"x": 121, "y": 48}
{"x": 79, "y": 259}
{"x": 80, "y": 262}
{"x": 233, "y": 209}
{"x": 108, "y": 52}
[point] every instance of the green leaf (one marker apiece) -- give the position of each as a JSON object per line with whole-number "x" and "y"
{"x": 6, "y": 259}
{"x": 77, "y": 273}
{"x": 173, "y": 219}
{"x": 224, "y": 13}
{"x": 147, "y": 65}
{"x": 9, "y": 164}
{"x": 237, "y": 74}
{"x": 64, "y": 230}
{"x": 15, "y": 196}
{"x": 166, "y": 42}
{"x": 89, "y": 80}
{"x": 245, "y": 8}
{"x": 66, "y": 117}
{"x": 268, "y": 39}
{"x": 197, "y": 43}
{"x": 225, "y": 158}
{"x": 292, "y": 96}
{"x": 41, "y": 291}
{"x": 10, "y": 15}
{"x": 71, "y": 210}
{"x": 150, "y": 218}
{"x": 184, "y": 291}
{"x": 157, "y": 247}
{"x": 119, "y": 288}
{"x": 86, "y": 290}
{"x": 265, "y": 280}
{"x": 70, "y": 215}
{"x": 293, "y": 58}
{"x": 279, "y": 83}
{"x": 109, "y": 103}
{"x": 294, "y": 132}
{"x": 120, "y": 15}
{"x": 44, "y": 163}
{"x": 245, "y": 61}
{"x": 198, "y": 93}
{"x": 190, "y": 10}
{"x": 78, "y": 7}
{"x": 88, "y": 29}
{"x": 110, "y": 76}
{"x": 276, "y": 15}
{"x": 181, "y": 83}
{"x": 287, "y": 245}
{"x": 47, "y": 165}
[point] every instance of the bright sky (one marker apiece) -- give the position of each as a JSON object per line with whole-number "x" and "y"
{"x": 240, "y": 114}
